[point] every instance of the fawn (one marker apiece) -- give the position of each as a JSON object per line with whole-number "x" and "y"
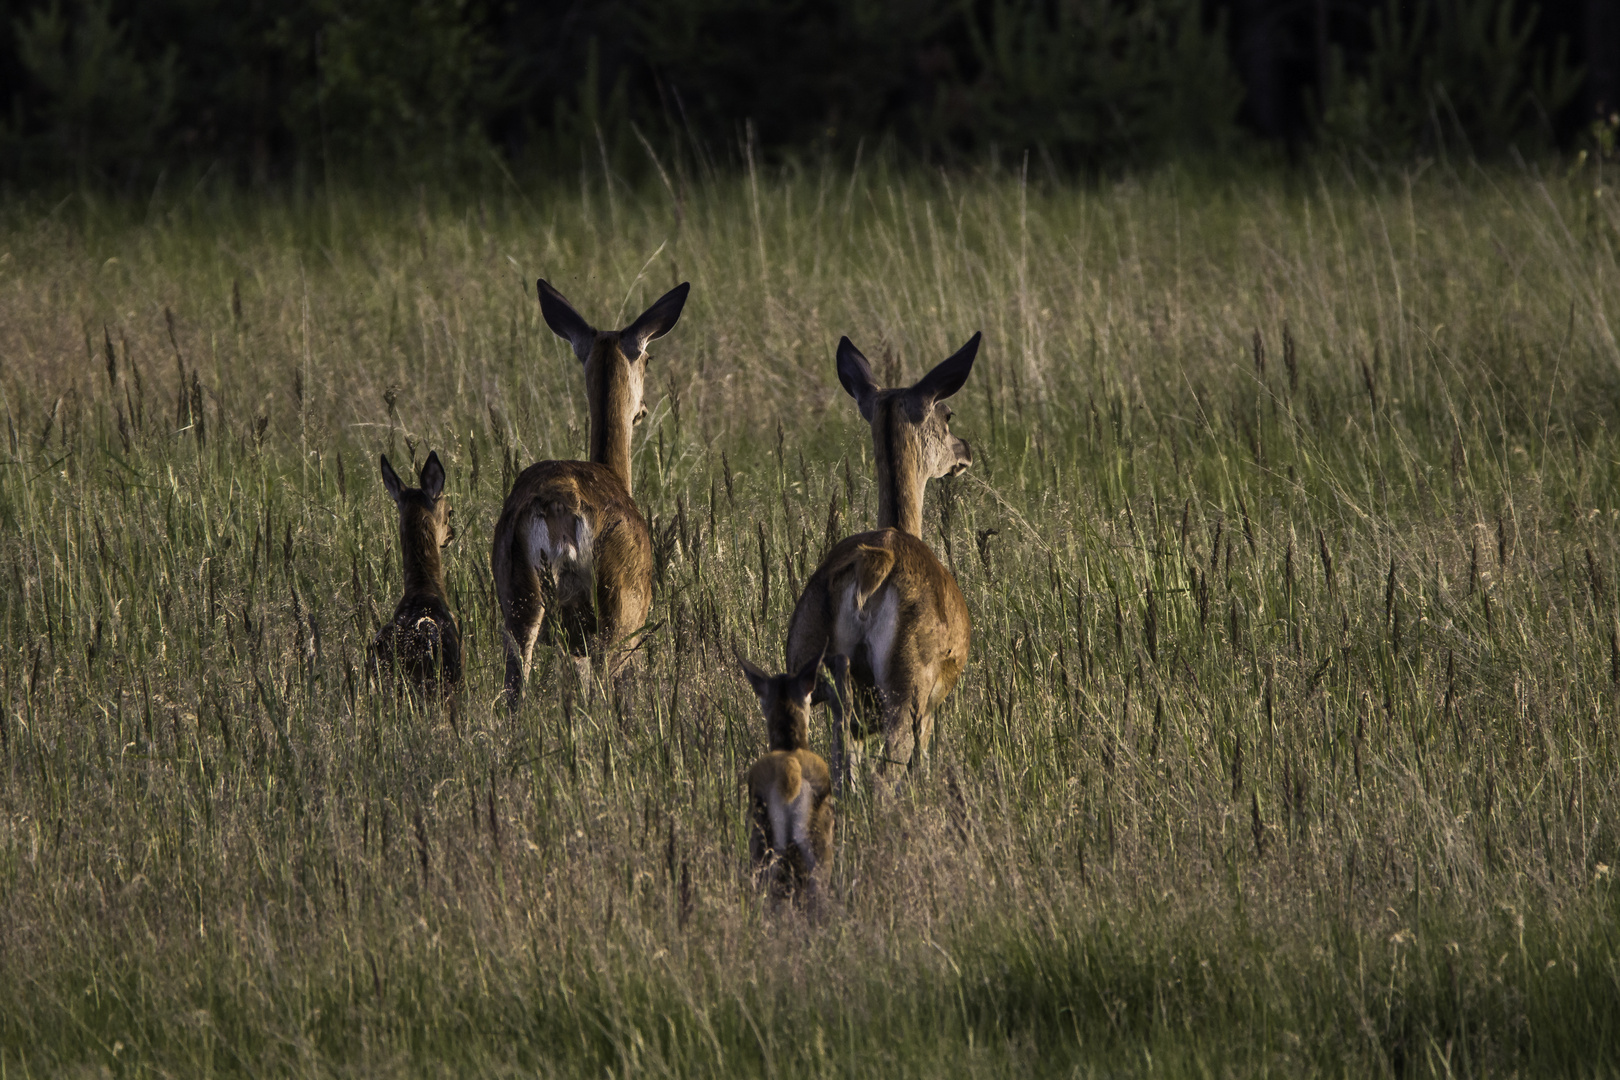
{"x": 790, "y": 787}
{"x": 421, "y": 642}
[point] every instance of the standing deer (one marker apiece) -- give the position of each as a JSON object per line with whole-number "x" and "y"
{"x": 882, "y": 598}
{"x": 571, "y": 549}
{"x": 789, "y": 788}
{"x": 421, "y": 642}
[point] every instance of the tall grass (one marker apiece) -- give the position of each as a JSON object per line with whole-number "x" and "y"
{"x": 1288, "y": 741}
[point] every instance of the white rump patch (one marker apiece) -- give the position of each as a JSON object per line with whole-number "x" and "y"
{"x": 790, "y": 821}
{"x": 560, "y": 542}
{"x": 878, "y": 625}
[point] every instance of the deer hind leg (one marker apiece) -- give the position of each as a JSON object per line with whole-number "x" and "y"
{"x": 575, "y": 681}
{"x": 923, "y": 731}
{"x": 759, "y": 844}
{"x": 908, "y": 724}
{"x": 846, "y": 748}
{"x": 618, "y": 660}
{"x": 522, "y": 609}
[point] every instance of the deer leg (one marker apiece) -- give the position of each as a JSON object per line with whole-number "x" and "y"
{"x": 612, "y": 663}
{"x": 844, "y": 747}
{"x": 574, "y": 677}
{"x": 921, "y": 717}
{"x": 523, "y": 612}
{"x": 810, "y": 900}
{"x": 619, "y": 675}
{"x": 923, "y": 728}
{"x": 903, "y": 726}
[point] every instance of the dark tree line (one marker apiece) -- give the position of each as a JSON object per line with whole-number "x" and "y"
{"x": 119, "y": 91}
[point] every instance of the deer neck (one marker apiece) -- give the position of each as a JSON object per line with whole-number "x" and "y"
{"x": 607, "y": 386}
{"x": 899, "y": 472}
{"x": 424, "y": 569}
{"x": 792, "y": 735}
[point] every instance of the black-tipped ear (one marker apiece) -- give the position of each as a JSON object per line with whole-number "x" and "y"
{"x": 856, "y": 376}
{"x": 804, "y": 683}
{"x": 391, "y": 480}
{"x": 947, "y": 378}
{"x": 432, "y": 476}
{"x": 564, "y": 321}
{"x": 756, "y": 678}
{"x": 657, "y": 320}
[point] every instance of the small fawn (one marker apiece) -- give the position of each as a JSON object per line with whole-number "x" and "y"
{"x": 572, "y": 554}
{"x": 790, "y": 787}
{"x": 883, "y": 599}
{"x": 421, "y": 642}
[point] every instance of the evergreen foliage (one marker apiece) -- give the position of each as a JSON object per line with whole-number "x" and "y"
{"x": 122, "y": 92}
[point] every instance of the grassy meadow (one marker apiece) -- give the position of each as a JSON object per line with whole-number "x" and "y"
{"x": 1288, "y": 743}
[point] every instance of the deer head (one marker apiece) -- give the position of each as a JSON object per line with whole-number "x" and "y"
{"x": 912, "y": 441}
{"x": 615, "y": 367}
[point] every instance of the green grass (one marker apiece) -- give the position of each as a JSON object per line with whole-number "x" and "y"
{"x": 1288, "y": 742}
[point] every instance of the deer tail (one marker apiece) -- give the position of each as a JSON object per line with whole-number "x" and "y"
{"x": 871, "y": 566}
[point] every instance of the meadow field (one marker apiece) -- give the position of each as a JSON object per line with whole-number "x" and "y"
{"x": 1287, "y": 746}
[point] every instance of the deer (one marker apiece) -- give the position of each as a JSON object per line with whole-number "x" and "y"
{"x": 572, "y": 555}
{"x": 882, "y": 599}
{"x": 421, "y": 642}
{"x": 790, "y": 787}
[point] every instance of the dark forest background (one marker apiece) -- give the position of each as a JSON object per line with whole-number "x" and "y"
{"x": 121, "y": 92}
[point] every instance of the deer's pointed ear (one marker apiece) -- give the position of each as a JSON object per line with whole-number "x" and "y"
{"x": 432, "y": 476}
{"x": 756, "y": 678}
{"x": 564, "y": 321}
{"x": 856, "y": 376}
{"x": 657, "y": 320}
{"x": 391, "y": 480}
{"x": 947, "y": 378}
{"x": 804, "y": 683}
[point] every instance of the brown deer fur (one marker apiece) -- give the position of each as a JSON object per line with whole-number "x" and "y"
{"x": 882, "y": 599}
{"x": 572, "y": 554}
{"x": 789, "y": 787}
{"x": 421, "y": 642}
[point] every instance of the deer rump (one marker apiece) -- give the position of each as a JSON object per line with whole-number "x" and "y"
{"x": 567, "y": 527}
{"x": 789, "y": 788}
{"x": 886, "y": 602}
{"x": 421, "y": 642}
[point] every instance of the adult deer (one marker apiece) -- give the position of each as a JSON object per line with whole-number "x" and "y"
{"x": 421, "y": 642}
{"x": 571, "y": 550}
{"x": 881, "y": 598}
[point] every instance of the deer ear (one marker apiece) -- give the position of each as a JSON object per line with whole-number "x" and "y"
{"x": 391, "y": 479}
{"x": 564, "y": 321}
{"x": 432, "y": 476}
{"x": 804, "y": 683}
{"x": 756, "y": 678}
{"x": 659, "y": 319}
{"x": 856, "y": 376}
{"x": 947, "y": 378}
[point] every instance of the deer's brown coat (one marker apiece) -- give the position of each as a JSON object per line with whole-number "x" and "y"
{"x": 789, "y": 787}
{"x": 421, "y": 642}
{"x": 882, "y": 599}
{"x": 572, "y": 554}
